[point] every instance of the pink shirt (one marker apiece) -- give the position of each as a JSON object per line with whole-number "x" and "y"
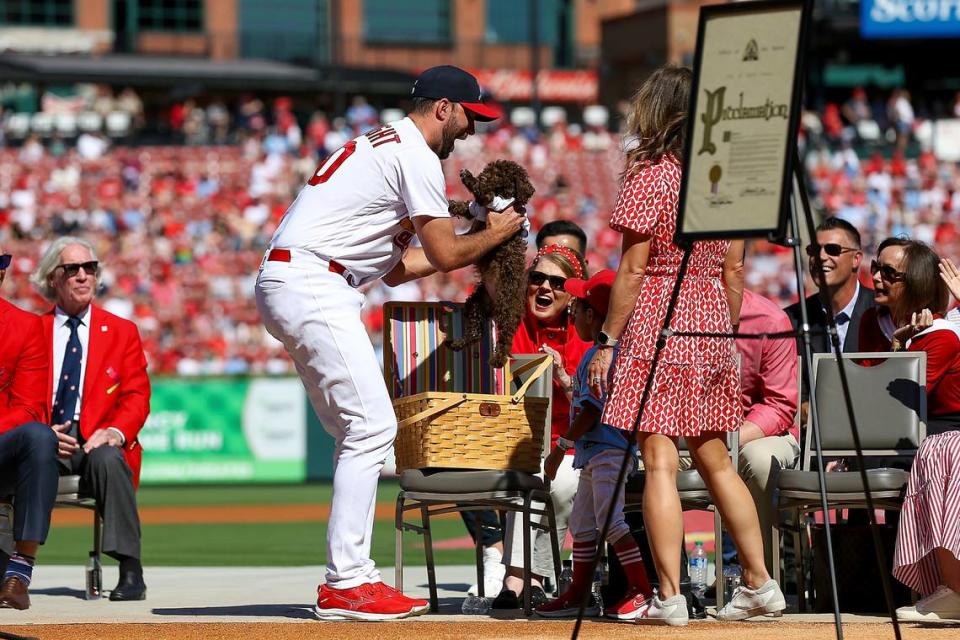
{"x": 768, "y": 368}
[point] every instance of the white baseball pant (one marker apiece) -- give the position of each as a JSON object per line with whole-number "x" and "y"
{"x": 598, "y": 479}
{"x": 563, "y": 489}
{"x": 316, "y": 315}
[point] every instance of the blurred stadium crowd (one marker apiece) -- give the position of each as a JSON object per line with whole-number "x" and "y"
{"x": 181, "y": 228}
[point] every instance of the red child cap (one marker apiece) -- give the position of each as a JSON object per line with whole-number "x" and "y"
{"x": 595, "y": 291}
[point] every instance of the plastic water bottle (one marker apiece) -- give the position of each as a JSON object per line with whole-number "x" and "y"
{"x": 475, "y": 606}
{"x": 94, "y": 578}
{"x": 566, "y": 577}
{"x": 597, "y": 586}
{"x": 698, "y": 571}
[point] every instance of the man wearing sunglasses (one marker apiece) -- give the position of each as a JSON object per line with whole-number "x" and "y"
{"x": 99, "y": 396}
{"x": 838, "y": 282}
{"x": 28, "y": 446}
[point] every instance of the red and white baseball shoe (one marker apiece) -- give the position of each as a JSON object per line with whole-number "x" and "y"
{"x": 368, "y": 601}
{"x": 629, "y": 606}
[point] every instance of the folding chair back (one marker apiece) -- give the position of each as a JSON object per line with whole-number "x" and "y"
{"x": 889, "y": 403}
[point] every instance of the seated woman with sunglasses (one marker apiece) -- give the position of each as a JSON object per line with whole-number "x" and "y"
{"x": 912, "y": 299}
{"x": 547, "y": 328}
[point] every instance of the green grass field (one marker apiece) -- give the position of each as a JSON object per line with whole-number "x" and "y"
{"x": 278, "y": 544}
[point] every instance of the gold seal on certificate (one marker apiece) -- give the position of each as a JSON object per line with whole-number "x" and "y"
{"x": 741, "y": 138}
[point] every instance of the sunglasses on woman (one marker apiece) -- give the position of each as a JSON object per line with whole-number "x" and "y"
{"x": 887, "y": 272}
{"x": 832, "y": 249}
{"x": 5, "y": 261}
{"x": 537, "y": 278}
{"x": 70, "y": 269}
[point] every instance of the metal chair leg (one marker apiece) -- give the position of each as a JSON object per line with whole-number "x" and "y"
{"x": 554, "y": 542}
{"x": 527, "y": 552}
{"x": 478, "y": 545}
{"x": 97, "y": 532}
{"x": 398, "y": 524}
{"x": 718, "y": 556}
{"x": 428, "y": 550}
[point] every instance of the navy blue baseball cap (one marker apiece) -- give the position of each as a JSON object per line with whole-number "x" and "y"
{"x": 456, "y": 85}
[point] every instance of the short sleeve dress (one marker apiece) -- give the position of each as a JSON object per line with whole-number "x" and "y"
{"x": 696, "y": 385}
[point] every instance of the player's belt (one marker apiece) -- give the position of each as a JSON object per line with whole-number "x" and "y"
{"x": 283, "y": 255}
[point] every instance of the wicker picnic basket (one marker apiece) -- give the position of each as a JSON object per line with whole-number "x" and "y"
{"x": 444, "y": 424}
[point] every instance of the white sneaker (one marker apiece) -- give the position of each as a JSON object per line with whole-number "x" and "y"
{"x": 672, "y": 611}
{"x": 747, "y": 602}
{"x": 942, "y": 604}
{"x": 493, "y": 573}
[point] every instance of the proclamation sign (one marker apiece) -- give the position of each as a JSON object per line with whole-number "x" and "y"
{"x": 745, "y": 111}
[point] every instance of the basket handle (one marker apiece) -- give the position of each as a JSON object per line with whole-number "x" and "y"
{"x": 545, "y": 364}
{"x": 432, "y": 411}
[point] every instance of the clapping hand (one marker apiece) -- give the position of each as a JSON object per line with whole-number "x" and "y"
{"x": 951, "y": 276}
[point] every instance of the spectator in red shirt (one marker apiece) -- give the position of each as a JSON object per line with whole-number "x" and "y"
{"x": 769, "y": 438}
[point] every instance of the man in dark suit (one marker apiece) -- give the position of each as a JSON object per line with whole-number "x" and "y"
{"x": 838, "y": 281}
{"x": 28, "y": 446}
{"x": 99, "y": 385}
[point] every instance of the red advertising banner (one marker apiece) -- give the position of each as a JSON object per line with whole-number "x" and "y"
{"x": 552, "y": 86}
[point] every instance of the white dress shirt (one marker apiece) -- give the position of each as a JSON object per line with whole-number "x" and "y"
{"x": 61, "y": 336}
{"x": 842, "y": 327}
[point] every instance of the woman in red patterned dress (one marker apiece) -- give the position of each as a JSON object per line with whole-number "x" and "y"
{"x": 696, "y": 388}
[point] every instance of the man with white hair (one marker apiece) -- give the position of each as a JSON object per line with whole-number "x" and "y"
{"x": 99, "y": 386}
{"x": 28, "y": 446}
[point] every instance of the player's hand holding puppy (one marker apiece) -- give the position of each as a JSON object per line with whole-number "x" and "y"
{"x": 505, "y": 223}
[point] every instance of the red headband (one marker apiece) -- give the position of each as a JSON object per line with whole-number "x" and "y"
{"x": 567, "y": 253}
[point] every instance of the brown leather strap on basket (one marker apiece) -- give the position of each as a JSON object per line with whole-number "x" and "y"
{"x": 545, "y": 363}
{"x": 432, "y": 411}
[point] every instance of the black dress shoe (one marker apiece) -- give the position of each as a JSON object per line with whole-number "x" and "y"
{"x": 507, "y": 599}
{"x": 130, "y": 587}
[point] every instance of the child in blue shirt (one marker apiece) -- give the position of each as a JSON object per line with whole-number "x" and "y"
{"x": 599, "y": 451}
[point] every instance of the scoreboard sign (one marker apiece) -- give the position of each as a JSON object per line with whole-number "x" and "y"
{"x": 910, "y": 18}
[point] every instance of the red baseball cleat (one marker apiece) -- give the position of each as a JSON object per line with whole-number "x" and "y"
{"x": 367, "y": 601}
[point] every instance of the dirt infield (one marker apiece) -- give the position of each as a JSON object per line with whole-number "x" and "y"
{"x": 492, "y": 630}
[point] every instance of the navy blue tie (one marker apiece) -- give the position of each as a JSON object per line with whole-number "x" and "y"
{"x": 68, "y": 391}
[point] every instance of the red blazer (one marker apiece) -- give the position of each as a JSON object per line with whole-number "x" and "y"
{"x": 24, "y": 368}
{"x": 116, "y": 389}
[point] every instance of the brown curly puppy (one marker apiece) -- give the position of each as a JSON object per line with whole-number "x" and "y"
{"x": 501, "y": 295}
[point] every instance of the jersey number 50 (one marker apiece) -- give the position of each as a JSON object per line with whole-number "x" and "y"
{"x": 331, "y": 164}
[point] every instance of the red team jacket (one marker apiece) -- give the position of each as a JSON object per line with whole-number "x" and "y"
{"x": 116, "y": 389}
{"x": 24, "y": 368}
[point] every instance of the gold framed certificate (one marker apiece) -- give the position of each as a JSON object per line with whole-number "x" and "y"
{"x": 744, "y": 115}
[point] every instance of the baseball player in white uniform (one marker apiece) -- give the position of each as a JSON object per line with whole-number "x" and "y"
{"x": 352, "y": 223}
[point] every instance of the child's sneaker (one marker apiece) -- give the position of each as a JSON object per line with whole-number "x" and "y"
{"x": 672, "y": 611}
{"x": 363, "y": 602}
{"x": 747, "y": 602}
{"x": 629, "y": 606}
{"x": 567, "y": 606}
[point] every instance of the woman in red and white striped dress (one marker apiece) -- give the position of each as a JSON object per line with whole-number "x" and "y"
{"x": 927, "y": 558}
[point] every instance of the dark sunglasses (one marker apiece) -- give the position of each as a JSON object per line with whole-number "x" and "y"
{"x": 887, "y": 272}
{"x": 71, "y": 269}
{"x": 832, "y": 249}
{"x": 5, "y": 261}
{"x": 537, "y": 278}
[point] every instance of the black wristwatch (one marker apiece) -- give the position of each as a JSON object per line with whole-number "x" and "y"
{"x": 604, "y": 340}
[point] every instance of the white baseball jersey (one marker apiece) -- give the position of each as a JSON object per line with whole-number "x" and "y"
{"x": 357, "y": 207}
